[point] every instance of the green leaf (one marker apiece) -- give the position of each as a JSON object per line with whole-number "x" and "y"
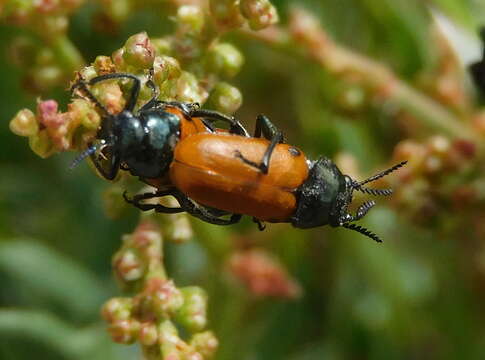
{"x": 50, "y": 274}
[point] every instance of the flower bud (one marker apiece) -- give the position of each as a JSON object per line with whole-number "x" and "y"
{"x": 165, "y": 68}
{"x": 225, "y": 98}
{"x": 128, "y": 265}
{"x": 192, "y": 314}
{"x": 139, "y": 52}
{"x": 163, "y": 45}
{"x": 205, "y": 343}
{"x": 226, "y": 13}
{"x": 166, "y": 299}
{"x": 84, "y": 113}
{"x": 260, "y": 13}
{"x": 24, "y": 123}
{"x": 124, "y": 331}
{"x": 148, "y": 334}
{"x": 117, "y": 309}
{"x": 189, "y": 90}
{"x": 190, "y": 19}
{"x": 224, "y": 59}
{"x": 41, "y": 144}
{"x": 103, "y": 65}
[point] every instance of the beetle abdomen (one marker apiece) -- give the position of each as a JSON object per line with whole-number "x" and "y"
{"x": 206, "y": 169}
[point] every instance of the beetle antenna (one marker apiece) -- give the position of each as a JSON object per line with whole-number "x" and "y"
{"x": 375, "y": 192}
{"x": 380, "y": 175}
{"x": 88, "y": 152}
{"x": 363, "y": 231}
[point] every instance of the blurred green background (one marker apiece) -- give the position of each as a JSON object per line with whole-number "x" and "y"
{"x": 419, "y": 295}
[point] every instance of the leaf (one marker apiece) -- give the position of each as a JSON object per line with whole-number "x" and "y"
{"x": 52, "y": 275}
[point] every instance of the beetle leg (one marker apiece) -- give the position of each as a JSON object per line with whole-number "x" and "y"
{"x": 362, "y": 211}
{"x": 212, "y": 116}
{"x": 261, "y": 225}
{"x": 203, "y": 213}
{"x": 137, "y": 202}
{"x": 265, "y": 128}
{"x": 263, "y": 166}
{"x": 155, "y": 93}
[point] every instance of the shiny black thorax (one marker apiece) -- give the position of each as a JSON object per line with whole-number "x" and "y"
{"x": 143, "y": 142}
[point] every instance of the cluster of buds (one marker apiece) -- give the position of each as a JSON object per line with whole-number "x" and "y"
{"x": 51, "y": 61}
{"x": 229, "y": 14}
{"x": 50, "y": 131}
{"x": 440, "y": 173}
{"x": 263, "y": 275}
{"x": 152, "y": 315}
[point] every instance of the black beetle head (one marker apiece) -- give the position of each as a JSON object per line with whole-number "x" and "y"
{"x": 325, "y": 196}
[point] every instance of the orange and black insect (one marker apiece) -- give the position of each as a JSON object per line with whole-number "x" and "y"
{"x": 215, "y": 173}
{"x": 264, "y": 178}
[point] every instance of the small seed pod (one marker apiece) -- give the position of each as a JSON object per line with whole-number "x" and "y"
{"x": 225, "y": 98}
{"x": 192, "y": 314}
{"x": 260, "y": 13}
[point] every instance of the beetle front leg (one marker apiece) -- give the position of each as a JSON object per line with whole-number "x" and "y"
{"x": 235, "y": 126}
{"x": 137, "y": 202}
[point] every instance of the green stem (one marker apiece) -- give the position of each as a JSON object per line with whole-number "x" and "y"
{"x": 67, "y": 54}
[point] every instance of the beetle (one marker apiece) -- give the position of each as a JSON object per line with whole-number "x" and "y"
{"x": 265, "y": 178}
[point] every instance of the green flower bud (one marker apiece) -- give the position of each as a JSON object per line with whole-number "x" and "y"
{"x": 166, "y": 299}
{"x": 189, "y": 90}
{"x": 41, "y": 144}
{"x": 83, "y": 112}
{"x": 190, "y": 19}
{"x": 117, "y": 309}
{"x": 226, "y": 13}
{"x": 225, "y": 98}
{"x": 124, "y": 331}
{"x": 224, "y": 59}
{"x": 165, "y": 68}
{"x": 192, "y": 314}
{"x": 88, "y": 72}
{"x": 139, "y": 52}
{"x": 128, "y": 265}
{"x": 118, "y": 60}
{"x": 117, "y": 10}
{"x": 205, "y": 343}
{"x": 103, "y": 65}
{"x": 46, "y": 77}
{"x": 148, "y": 334}
{"x": 163, "y": 46}
{"x": 24, "y": 123}
{"x": 260, "y": 13}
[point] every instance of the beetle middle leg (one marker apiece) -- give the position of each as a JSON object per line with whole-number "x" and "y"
{"x": 269, "y": 131}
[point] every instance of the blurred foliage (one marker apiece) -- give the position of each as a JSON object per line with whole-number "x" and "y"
{"x": 419, "y": 295}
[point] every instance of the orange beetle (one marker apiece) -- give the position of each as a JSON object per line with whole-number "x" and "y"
{"x": 214, "y": 174}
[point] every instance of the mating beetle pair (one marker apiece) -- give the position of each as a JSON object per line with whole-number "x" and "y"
{"x": 212, "y": 172}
